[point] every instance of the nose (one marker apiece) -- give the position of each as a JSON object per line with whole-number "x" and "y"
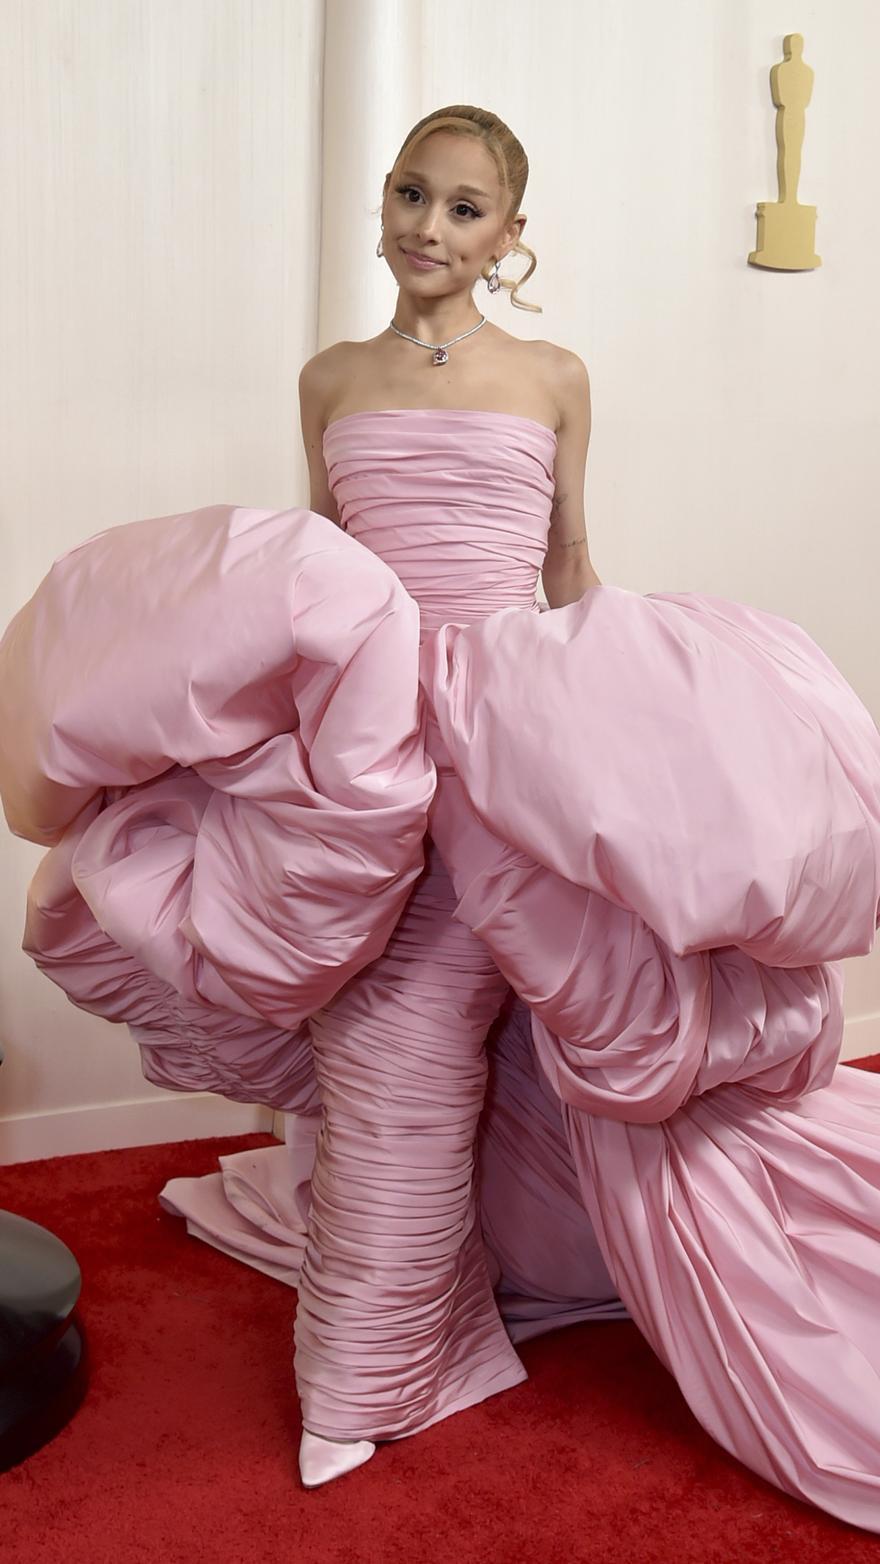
{"x": 427, "y": 228}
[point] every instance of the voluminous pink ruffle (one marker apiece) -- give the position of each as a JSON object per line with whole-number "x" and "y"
{"x": 230, "y": 764}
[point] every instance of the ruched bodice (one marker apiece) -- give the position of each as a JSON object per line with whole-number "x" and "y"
{"x": 456, "y": 502}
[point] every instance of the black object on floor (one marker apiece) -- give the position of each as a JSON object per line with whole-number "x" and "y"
{"x": 43, "y": 1357}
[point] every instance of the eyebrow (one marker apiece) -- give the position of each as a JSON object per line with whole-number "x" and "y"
{"x": 410, "y": 173}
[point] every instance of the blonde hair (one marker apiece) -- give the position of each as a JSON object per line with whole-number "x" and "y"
{"x": 463, "y": 119}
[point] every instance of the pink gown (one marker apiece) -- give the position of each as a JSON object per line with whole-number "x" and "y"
{"x": 530, "y": 921}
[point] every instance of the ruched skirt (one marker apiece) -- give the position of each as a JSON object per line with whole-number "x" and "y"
{"x": 397, "y": 1324}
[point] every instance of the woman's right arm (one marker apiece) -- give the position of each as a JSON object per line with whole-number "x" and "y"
{"x": 314, "y": 394}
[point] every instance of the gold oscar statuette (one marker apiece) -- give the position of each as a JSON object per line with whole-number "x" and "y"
{"x": 787, "y": 230}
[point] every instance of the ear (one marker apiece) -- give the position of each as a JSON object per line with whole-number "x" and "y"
{"x": 515, "y": 232}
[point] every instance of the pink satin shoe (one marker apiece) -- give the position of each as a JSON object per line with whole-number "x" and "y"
{"x": 320, "y": 1460}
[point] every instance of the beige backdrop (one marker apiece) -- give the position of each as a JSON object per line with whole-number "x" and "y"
{"x": 187, "y": 213}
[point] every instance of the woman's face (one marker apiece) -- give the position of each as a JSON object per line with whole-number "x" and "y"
{"x": 446, "y": 204}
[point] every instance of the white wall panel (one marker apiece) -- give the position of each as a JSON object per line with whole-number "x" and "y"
{"x": 188, "y": 198}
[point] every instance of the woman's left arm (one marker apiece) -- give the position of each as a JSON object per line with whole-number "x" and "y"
{"x": 567, "y": 571}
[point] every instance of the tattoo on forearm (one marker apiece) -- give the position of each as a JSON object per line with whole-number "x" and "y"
{"x": 556, "y": 506}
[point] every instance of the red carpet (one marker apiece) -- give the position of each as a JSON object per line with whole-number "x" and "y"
{"x": 184, "y": 1449}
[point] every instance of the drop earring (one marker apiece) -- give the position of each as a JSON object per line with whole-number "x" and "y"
{"x": 493, "y": 281}
{"x": 379, "y": 250}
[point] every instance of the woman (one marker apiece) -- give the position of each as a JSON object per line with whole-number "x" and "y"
{"x": 448, "y": 219}
{"x": 627, "y": 841}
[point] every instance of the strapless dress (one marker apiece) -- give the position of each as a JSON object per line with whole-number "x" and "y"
{"x": 251, "y": 741}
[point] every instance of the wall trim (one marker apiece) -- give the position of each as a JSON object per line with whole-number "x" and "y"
{"x": 861, "y": 1037}
{"x": 109, "y": 1126}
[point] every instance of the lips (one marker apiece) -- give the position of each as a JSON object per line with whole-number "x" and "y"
{"x": 421, "y": 256}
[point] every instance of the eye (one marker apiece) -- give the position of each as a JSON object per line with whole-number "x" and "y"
{"x": 405, "y": 189}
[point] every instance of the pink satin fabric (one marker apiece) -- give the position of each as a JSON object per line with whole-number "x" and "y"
{"x": 341, "y": 822}
{"x": 396, "y": 1324}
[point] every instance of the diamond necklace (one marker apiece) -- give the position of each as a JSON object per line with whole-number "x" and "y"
{"x": 439, "y": 348}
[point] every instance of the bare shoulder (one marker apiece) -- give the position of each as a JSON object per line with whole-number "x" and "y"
{"x": 320, "y": 374}
{"x": 571, "y": 383}
{"x": 563, "y": 375}
{"x": 567, "y": 367}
